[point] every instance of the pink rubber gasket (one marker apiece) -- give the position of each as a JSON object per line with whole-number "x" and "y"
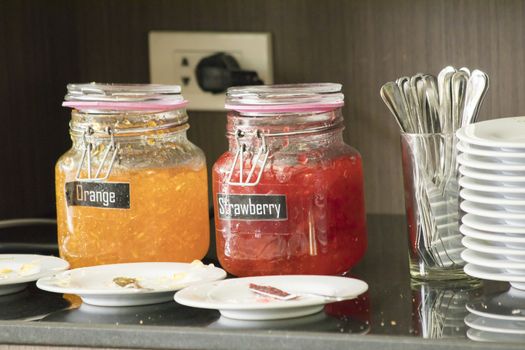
{"x": 125, "y": 106}
{"x": 306, "y": 107}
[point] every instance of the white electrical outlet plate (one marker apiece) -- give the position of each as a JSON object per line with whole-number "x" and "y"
{"x": 173, "y": 57}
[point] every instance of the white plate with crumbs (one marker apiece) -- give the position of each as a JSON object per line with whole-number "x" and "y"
{"x": 130, "y": 284}
{"x": 271, "y": 297}
{"x": 17, "y": 270}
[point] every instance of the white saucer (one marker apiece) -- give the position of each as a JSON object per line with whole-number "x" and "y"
{"x": 490, "y": 247}
{"x": 478, "y": 162}
{"x": 489, "y": 148}
{"x": 17, "y": 270}
{"x": 159, "y": 281}
{"x": 492, "y": 337}
{"x": 489, "y": 152}
{"x": 488, "y": 163}
{"x": 516, "y": 163}
{"x": 234, "y": 299}
{"x": 490, "y": 175}
{"x": 485, "y": 186}
{"x": 491, "y": 224}
{"x": 493, "y": 325}
{"x": 491, "y": 211}
{"x": 501, "y": 133}
{"x": 495, "y": 274}
{"x": 490, "y": 198}
{"x": 489, "y": 236}
{"x": 498, "y": 261}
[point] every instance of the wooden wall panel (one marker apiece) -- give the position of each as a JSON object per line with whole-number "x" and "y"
{"x": 362, "y": 44}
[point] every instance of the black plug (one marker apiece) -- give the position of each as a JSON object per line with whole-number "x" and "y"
{"x": 218, "y": 72}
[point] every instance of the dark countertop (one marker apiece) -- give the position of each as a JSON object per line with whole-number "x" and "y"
{"x": 394, "y": 314}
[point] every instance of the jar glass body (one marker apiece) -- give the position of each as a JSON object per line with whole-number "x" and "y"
{"x": 166, "y": 217}
{"x": 320, "y": 181}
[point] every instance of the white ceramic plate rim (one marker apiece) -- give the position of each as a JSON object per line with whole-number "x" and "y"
{"x": 464, "y": 159}
{"x": 473, "y": 208}
{"x": 493, "y": 274}
{"x": 464, "y": 147}
{"x": 491, "y": 261}
{"x": 184, "y": 296}
{"x": 473, "y": 196}
{"x": 467, "y": 133}
{"x": 483, "y": 247}
{"x": 46, "y": 282}
{"x": 476, "y": 174}
{"x": 48, "y": 265}
{"x": 489, "y": 236}
{"x": 473, "y": 221}
{"x": 473, "y": 184}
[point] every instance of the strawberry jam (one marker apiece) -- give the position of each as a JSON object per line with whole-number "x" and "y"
{"x": 288, "y": 196}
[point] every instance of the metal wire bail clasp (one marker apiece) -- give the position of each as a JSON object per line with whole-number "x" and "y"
{"x": 260, "y": 159}
{"x": 112, "y": 148}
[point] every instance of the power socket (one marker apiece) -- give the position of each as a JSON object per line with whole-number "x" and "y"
{"x": 174, "y": 57}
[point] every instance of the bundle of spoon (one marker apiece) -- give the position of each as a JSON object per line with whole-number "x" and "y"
{"x": 425, "y": 104}
{"x": 429, "y": 110}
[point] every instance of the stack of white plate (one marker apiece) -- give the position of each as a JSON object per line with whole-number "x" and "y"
{"x": 492, "y": 168}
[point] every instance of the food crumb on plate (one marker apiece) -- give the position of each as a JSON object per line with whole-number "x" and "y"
{"x": 179, "y": 276}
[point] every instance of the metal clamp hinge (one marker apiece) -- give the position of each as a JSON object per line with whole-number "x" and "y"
{"x": 110, "y": 153}
{"x": 259, "y": 160}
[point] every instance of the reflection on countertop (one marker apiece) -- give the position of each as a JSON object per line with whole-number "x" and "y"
{"x": 438, "y": 309}
{"x": 393, "y": 306}
{"x": 497, "y": 317}
{"x": 30, "y": 304}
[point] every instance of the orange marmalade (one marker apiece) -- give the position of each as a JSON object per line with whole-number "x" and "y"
{"x": 167, "y": 220}
{"x": 132, "y": 188}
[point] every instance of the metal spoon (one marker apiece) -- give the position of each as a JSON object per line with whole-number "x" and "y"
{"x": 412, "y": 115}
{"x": 441, "y": 81}
{"x": 432, "y": 99}
{"x": 445, "y": 100}
{"x": 417, "y": 94}
{"x": 477, "y": 87}
{"x": 466, "y": 70}
{"x": 394, "y": 100}
{"x": 459, "y": 85}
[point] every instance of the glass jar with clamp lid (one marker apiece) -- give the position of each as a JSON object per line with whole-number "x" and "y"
{"x": 132, "y": 187}
{"x": 288, "y": 194}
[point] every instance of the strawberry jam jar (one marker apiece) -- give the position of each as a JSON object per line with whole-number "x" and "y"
{"x": 288, "y": 194}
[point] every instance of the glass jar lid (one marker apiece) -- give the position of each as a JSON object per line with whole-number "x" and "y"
{"x": 149, "y": 97}
{"x": 291, "y": 98}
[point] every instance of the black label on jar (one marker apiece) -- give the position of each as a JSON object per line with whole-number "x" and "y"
{"x": 252, "y": 207}
{"x": 98, "y": 194}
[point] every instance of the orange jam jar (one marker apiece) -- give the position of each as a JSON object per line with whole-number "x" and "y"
{"x": 132, "y": 188}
